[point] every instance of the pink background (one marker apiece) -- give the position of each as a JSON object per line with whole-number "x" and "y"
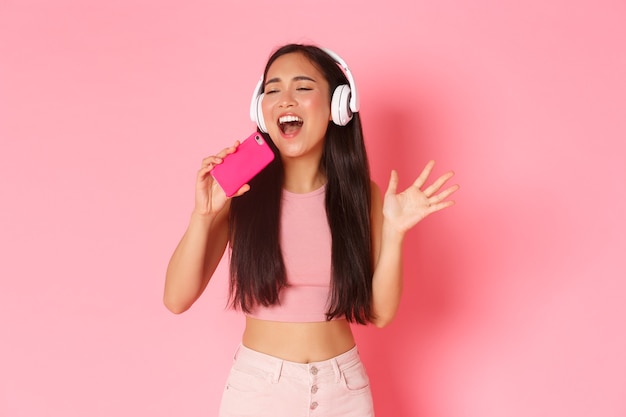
{"x": 515, "y": 301}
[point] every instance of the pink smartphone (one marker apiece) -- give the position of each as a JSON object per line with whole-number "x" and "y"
{"x": 252, "y": 155}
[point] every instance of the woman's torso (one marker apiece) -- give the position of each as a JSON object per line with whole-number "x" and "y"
{"x": 298, "y": 342}
{"x": 296, "y": 329}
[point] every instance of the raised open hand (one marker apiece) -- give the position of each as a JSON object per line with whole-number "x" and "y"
{"x": 404, "y": 210}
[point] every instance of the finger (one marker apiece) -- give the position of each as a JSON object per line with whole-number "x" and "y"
{"x": 204, "y": 172}
{"x": 219, "y": 157}
{"x": 229, "y": 150}
{"x": 392, "y": 188}
{"x": 440, "y": 206}
{"x": 434, "y": 187}
{"x": 211, "y": 160}
{"x": 244, "y": 189}
{"x": 444, "y": 194}
{"x": 421, "y": 179}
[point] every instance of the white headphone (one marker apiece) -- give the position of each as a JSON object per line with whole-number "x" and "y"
{"x": 344, "y": 103}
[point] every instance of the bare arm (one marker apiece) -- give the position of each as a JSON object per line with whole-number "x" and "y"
{"x": 202, "y": 246}
{"x": 392, "y": 217}
{"x": 387, "y": 251}
{"x": 194, "y": 260}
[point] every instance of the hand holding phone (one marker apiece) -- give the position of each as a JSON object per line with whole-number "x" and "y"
{"x": 239, "y": 167}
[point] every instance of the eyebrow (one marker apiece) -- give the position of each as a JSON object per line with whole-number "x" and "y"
{"x": 297, "y": 78}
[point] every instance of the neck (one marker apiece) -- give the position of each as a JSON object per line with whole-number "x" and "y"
{"x": 302, "y": 176}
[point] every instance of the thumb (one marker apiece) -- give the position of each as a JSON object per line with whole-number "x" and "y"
{"x": 393, "y": 183}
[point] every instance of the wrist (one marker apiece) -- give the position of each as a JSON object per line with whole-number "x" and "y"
{"x": 391, "y": 233}
{"x": 201, "y": 218}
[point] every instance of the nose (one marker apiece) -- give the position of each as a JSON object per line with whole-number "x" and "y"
{"x": 286, "y": 99}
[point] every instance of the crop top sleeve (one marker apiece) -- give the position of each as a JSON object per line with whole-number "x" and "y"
{"x": 305, "y": 242}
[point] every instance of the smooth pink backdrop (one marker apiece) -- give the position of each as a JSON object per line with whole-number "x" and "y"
{"x": 515, "y": 301}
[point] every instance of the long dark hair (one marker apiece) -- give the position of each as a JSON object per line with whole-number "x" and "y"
{"x": 257, "y": 270}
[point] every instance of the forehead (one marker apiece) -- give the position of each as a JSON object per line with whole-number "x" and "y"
{"x": 292, "y": 65}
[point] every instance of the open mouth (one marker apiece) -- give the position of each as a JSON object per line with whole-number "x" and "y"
{"x": 290, "y": 124}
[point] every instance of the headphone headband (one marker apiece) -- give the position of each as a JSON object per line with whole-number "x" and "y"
{"x": 354, "y": 98}
{"x": 341, "y": 109}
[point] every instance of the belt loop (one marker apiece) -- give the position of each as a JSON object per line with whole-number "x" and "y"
{"x": 278, "y": 369}
{"x": 236, "y": 353}
{"x": 336, "y": 369}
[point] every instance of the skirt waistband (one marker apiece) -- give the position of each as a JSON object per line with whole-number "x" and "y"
{"x": 277, "y": 367}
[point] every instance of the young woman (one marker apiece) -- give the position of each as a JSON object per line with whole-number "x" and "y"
{"x": 314, "y": 245}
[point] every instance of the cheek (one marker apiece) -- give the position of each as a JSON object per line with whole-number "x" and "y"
{"x": 320, "y": 104}
{"x": 266, "y": 105}
{"x": 266, "y": 109}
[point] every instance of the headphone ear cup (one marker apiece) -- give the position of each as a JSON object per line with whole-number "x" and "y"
{"x": 340, "y": 105}
{"x": 258, "y": 117}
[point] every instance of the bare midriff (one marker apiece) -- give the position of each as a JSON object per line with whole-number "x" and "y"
{"x": 298, "y": 342}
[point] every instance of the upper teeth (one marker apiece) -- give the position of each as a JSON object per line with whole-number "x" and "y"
{"x": 290, "y": 118}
